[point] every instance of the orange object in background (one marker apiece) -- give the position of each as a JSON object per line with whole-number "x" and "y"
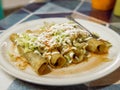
{"x": 103, "y": 4}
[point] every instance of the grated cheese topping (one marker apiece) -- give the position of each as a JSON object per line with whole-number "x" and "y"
{"x": 55, "y": 35}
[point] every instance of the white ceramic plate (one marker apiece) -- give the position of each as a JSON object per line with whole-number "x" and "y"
{"x": 70, "y": 76}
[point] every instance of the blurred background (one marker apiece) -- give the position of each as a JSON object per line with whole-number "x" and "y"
{"x": 9, "y": 6}
{"x": 102, "y": 10}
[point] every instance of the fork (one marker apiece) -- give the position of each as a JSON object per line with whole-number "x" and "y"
{"x": 82, "y": 27}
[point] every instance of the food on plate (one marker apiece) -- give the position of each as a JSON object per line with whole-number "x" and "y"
{"x": 38, "y": 63}
{"x": 98, "y": 46}
{"x": 56, "y": 46}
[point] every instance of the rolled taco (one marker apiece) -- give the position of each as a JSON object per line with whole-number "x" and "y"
{"x": 37, "y": 62}
{"x": 98, "y": 46}
{"x": 57, "y": 60}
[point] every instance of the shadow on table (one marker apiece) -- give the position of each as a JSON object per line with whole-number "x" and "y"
{"x": 22, "y": 85}
{"x": 113, "y": 78}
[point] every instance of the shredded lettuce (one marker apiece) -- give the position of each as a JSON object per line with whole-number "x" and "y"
{"x": 27, "y": 41}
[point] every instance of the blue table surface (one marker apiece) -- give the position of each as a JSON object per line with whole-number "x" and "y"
{"x": 58, "y": 8}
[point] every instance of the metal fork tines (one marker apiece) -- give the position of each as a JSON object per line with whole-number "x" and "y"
{"x": 82, "y": 27}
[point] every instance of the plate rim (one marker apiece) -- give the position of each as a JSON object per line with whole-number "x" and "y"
{"x": 68, "y": 82}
